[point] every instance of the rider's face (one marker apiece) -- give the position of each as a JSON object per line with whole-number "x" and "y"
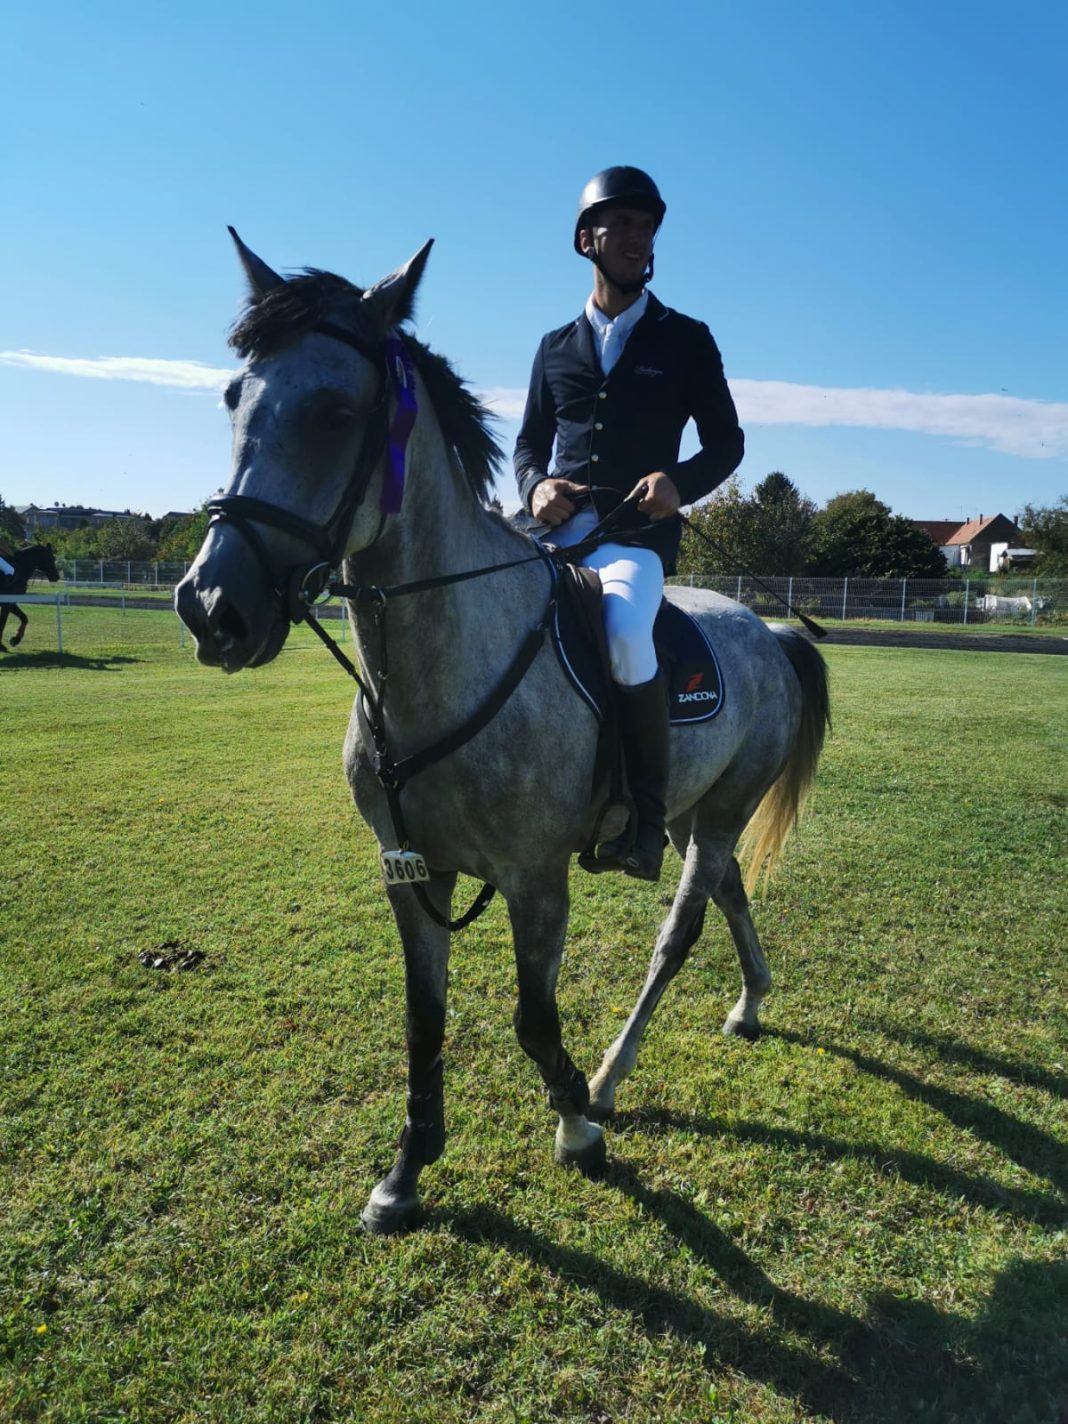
{"x": 623, "y": 240}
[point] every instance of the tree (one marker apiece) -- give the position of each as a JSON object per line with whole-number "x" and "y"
{"x": 181, "y": 537}
{"x": 767, "y": 532}
{"x": 1045, "y": 529}
{"x": 784, "y": 526}
{"x": 729, "y": 520}
{"x": 123, "y": 539}
{"x": 12, "y": 528}
{"x": 855, "y": 535}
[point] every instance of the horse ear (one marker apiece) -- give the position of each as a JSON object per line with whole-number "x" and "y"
{"x": 392, "y": 300}
{"x": 261, "y": 278}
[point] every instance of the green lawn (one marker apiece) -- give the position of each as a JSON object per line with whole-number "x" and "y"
{"x": 862, "y": 1217}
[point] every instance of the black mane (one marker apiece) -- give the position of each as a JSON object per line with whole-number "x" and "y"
{"x": 273, "y": 321}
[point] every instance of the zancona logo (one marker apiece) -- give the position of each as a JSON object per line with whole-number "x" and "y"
{"x": 698, "y": 696}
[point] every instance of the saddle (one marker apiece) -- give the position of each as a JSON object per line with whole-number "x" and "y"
{"x": 692, "y": 680}
{"x": 687, "y": 659}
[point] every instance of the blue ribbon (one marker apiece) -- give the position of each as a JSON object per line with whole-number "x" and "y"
{"x": 402, "y": 379}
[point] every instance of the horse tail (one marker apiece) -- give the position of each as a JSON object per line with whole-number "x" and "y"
{"x": 769, "y": 829}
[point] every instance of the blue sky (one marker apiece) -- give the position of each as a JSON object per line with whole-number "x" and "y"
{"x": 868, "y": 204}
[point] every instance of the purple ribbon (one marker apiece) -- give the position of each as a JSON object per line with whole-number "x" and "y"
{"x": 402, "y": 379}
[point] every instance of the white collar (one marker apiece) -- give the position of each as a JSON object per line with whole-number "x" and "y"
{"x": 623, "y": 322}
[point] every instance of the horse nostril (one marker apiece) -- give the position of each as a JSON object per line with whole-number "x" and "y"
{"x": 231, "y": 623}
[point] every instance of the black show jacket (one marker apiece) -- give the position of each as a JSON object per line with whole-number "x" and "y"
{"x": 611, "y": 430}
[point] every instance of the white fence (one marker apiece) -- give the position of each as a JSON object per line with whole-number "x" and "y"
{"x": 56, "y": 598}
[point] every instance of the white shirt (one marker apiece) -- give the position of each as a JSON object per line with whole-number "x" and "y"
{"x": 611, "y": 336}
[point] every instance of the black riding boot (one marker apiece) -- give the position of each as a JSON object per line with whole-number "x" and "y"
{"x": 643, "y": 720}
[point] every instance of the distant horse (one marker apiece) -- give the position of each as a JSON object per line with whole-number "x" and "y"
{"x": 329, "y": 387}
{"x": 36, "y": 559}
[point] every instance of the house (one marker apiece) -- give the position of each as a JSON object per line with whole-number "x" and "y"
{"x": 68, "y": 516}
{"x": 977, "y": 544}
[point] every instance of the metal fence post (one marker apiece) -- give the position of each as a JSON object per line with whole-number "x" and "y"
{"x": 845, "y": 592}
{"x": 738, "y": 597}
{"x": 967, "y": 585}
{"x": 790, "y": 590}
{"x": 101, "y": 570}
{"x": 59, "y": 626}
{"x": 903, "y": 582}
{"x": 1034, "y": 601}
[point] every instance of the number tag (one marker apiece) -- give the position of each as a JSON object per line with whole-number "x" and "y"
{"x": 403, "y": 867}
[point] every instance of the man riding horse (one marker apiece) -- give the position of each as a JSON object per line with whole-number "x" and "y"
{"x": 614, "y": 391}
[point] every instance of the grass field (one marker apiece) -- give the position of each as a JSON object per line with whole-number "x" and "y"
{"x": 862, "y": 1217}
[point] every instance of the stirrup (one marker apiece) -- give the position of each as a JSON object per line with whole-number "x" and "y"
{"x": 634, "y": 855}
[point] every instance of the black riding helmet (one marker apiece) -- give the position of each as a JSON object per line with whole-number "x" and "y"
{"x": 620, "y": 187}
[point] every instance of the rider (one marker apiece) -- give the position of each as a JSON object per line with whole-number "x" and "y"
{"x": 614, "y": 391}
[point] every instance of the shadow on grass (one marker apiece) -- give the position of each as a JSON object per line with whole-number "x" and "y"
{"x": 902, "y": 1361}
{"x": 106, "y": 663}
{"x": 1029, "y": 1147}
{"x": 953, "y": 1051}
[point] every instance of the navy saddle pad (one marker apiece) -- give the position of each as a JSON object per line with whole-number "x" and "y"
{"x": 686, "y": 657}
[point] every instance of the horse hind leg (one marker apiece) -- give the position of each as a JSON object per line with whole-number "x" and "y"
{"x": 743, "y": 1020}
{"x": 678, "y": 934}
{"x": 17, "y": 611}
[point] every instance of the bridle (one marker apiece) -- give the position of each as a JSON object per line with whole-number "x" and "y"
{"x": 297, "y": 587}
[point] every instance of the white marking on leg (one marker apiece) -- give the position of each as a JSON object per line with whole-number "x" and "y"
{"x": 575, "y": 1134}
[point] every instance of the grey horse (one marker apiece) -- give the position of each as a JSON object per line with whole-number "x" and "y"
{"x": 311, "y": 478}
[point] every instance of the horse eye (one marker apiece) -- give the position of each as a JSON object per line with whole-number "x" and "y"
{"x": 337, "y": 417}
{"x": 232, "y": 395}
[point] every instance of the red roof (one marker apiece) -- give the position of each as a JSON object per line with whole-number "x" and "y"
{"x": 939, "y": 531}
{"x": 970, "y": 532}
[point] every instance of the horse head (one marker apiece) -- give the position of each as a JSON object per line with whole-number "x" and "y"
{"x": 310, "y": 418}
{"x": 45, "y": 562}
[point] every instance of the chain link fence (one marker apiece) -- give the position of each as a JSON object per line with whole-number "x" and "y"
{"x": 1026, "y": 602}
{"x": 1029, "y": 602}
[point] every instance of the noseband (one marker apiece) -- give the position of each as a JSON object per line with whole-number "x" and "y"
{"x": 298, "y": 586}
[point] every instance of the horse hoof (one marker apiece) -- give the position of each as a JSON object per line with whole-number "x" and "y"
{"x": 590, "y": 1160}
{"x": 738, "y": 1028}
{"x": 386, "y": 1215}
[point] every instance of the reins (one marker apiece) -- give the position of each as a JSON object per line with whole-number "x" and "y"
{"x": 393, "y": 775}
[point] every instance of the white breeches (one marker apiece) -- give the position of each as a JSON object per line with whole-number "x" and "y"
{"x": 633, "y": 582}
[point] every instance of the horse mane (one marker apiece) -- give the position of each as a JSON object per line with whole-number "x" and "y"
{"x": 274, "y": 320}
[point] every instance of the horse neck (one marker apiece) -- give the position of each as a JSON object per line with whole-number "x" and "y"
{"x": 447, "y": 646}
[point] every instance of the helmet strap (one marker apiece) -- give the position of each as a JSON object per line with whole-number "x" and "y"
{"x": 627, "y": 288}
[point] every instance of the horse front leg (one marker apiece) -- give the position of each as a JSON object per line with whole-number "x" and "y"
{"x": 394, "y": 1204}
{"x": 538, "y": 913}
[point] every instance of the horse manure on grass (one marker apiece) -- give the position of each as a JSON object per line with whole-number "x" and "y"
{"x": 171, "y": 955}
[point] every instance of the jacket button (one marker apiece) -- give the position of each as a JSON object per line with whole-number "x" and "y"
{"x": 594, "y": 458}
{"x": 602, "y": 395}
{"x": 598, "y": 425}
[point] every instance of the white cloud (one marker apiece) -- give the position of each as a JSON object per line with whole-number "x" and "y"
{"x": 1034, "y": 430}
{"x": 183, "y": 375}
{"x": 508, "y": 404}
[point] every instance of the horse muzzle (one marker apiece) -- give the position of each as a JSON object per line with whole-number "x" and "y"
{"x": 225, "y": 602}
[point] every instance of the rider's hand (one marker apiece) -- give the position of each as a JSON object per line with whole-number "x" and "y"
{"x": 551, "y": 502}
{"x": 661, "y": 495}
